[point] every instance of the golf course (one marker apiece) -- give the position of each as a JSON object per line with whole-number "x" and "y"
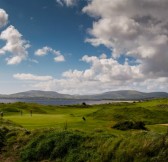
{"x": 123, "y": 132}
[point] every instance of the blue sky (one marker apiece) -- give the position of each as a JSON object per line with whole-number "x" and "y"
{"x": 83, "y": 47}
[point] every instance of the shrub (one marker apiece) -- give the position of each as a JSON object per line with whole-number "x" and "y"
{"x": 3, "y": 132}
{"x": 84, "y": 103}
{"x": 126, "y": 125}
{"x": 2, "y": 140}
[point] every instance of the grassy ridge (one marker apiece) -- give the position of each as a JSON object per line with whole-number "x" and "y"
{"x": 67, "y": 146}
{"x": 151, "y": 112}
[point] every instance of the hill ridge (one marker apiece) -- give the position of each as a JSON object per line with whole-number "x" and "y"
{"x": 113, "y": 95}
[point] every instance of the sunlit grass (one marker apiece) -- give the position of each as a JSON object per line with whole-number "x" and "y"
{"x": 99, "y": 118}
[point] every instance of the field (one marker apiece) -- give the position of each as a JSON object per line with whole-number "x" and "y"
{"x": 97, "y": 116}
{"x": 88, "y": 129}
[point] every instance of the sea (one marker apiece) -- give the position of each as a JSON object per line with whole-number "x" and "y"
{"x": 59, "y": 101}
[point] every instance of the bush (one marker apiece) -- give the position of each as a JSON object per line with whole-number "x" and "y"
{"x": 3, "y": 132}
{"x": 126, "y": 125}
{"x": 2, "y": 140}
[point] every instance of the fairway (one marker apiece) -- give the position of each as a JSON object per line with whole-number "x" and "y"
{"x": 59, "y": 121}
{"x": 49, "y": 121}
{"x": 40, "y": 120}
{"x": 72, "y": 118}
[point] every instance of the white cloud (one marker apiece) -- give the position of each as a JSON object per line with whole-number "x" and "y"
{"x": 59, "y": 58}
{"x": 104, "y": 74}
{"x": 34, "y": 61}
{"x": 14, "y": 60}
{"x": 133, "y": 28}
{"x": 31, "y": 77}
{"x": 43, "y": 51}
{"x": 60, "y": 2}
{"x": 103, "y": 56}
{"x": 105, "y": 70}
{"x": 46, "y": 50}
{"x": 136, "y": 28}
{"x": 14, "y": 45}
{"x": 3, "y": 18}
{"x": 68, "y": 3}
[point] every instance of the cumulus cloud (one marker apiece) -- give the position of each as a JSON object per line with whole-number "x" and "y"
{"x": 76, "y": 86}
{"x": 68, "y": 3}
{"x": 3, "y": 18}
{"x": 14, "y": 45}
{"x": 31, "y": 77}
{"x": 59, "y": 58}
{"x": 45, "y": 50}
{"x": 137, "y": 29}
{"x": 105, "y": 70}
{"x": 103, "y": 75}
{"x": 133, "y": 28}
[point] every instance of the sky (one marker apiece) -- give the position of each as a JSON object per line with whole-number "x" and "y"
{"x": 83, "y": 46}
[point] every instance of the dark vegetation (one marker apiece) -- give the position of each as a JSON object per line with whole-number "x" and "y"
{"x": 131, "y": 134}
{"x": 127, "y": 125}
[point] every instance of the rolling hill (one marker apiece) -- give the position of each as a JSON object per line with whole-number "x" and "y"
{"x": 129, "y": 95}
{"x": 38, "y": 94}
{"x": 112, "y": 95}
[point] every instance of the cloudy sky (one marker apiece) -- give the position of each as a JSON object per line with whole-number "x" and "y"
{"x": 83, "y": 46}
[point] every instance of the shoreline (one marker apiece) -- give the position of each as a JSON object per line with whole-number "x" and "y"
{"x": 47, "y": 101}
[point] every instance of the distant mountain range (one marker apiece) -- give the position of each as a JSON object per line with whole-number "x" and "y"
{"x": 112, "y": 95}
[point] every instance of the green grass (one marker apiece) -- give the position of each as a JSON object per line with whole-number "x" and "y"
{"x": 58, "y": 133}
{"x": 67, "y": 146}
{"x": 55, "y": 117}
{"x": 98, "y": 117}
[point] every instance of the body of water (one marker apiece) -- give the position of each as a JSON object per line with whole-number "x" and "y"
{"x": 58, "y": 101}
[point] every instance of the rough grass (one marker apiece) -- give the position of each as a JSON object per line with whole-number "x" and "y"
{"x": 150, "y": 112}
{"x": 68, "y": 146}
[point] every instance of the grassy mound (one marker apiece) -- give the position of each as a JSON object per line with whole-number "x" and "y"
{"x": 69, "y": 146}
{"x": 127, "y": 125}
{"x": 53, "y": 146}
{"x": 150, "y": 112}
{"x": 5, "y": 122}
